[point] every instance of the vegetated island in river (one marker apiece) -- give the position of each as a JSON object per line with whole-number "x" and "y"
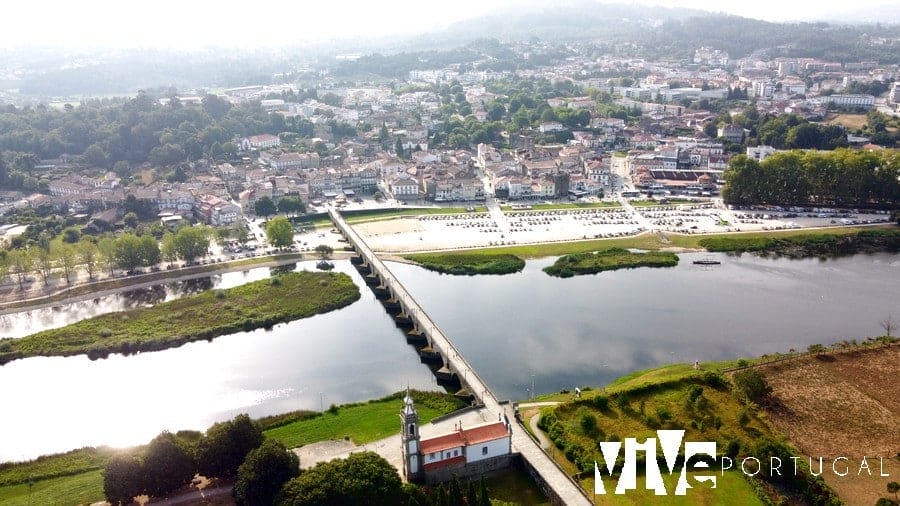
{"x": 258, "y": 304}
{"x": 808, "y": 245}
{"x": 567, "y": 266}
{"x": 469, "y": 263}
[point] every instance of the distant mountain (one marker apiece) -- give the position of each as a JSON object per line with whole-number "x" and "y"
{"x": 882, "y": 14}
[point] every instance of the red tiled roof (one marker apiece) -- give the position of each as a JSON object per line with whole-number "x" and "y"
{"x": 465, "y": 437}
{"x": 441, "y": 463}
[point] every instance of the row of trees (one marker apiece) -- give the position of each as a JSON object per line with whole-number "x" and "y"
{"x": 785, "y": 131}
{"x": 840, "y": 178}
{"x": 265, "y": 206}
{"x": 126, "y": 252}
{"x": 265, "y": 472}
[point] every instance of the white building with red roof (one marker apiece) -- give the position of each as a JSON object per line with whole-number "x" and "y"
{"x": 466, "y": 451}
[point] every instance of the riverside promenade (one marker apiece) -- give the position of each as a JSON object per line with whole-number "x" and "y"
{"x": 559, "y": 486}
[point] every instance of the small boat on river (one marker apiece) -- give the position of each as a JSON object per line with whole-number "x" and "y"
{"x": 706, "y": 261}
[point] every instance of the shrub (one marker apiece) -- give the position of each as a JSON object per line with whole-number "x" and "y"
{"x": 601, "y": 402}
{"x": 589, "y": 424}
{"x": 105, "y": 332}
{"x": 752, "y": 384}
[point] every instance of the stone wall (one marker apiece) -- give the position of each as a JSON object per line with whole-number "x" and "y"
{"x": 474, "y": 469}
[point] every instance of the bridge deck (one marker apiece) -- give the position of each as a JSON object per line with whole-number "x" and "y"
{"x": 563, "y": 486}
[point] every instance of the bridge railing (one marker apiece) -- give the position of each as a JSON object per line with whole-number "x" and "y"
{"x": 411, "y": 305}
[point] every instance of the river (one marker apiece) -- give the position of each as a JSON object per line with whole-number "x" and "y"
{"x": 516, "y": 330}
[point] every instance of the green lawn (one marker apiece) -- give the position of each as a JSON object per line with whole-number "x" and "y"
{"x": 362, "y": 423}
{"x": 213, "y": 313}
{"x": 83, "y": 488}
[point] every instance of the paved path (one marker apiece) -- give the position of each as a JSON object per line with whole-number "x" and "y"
{"x": 568, "y": 491}
{"x": 494, "y": 208}
{"x": 533, "y": 421}
{"x": 640, "y": 217}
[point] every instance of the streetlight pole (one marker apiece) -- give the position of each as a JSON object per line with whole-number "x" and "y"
{"x": 321, "y": 403}
{"x": 532, "y": 387}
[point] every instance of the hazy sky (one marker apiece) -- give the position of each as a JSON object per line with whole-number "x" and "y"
{"x": 194, "y": 24}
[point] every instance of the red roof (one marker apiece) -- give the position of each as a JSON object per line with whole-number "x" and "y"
{"x": 446, "y": 462}
{"x": 465, "y": 437}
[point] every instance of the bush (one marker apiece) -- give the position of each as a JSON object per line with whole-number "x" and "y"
{"x": 601, "y": 402}
{"x": 752, "y": 384}
{"x": 589, "y": 424}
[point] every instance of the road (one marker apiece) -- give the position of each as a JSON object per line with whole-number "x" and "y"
{"x": 493, "y": 207}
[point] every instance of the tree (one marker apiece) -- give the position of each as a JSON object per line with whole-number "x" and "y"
{"x": 71, "y": 235}
{"x": 888, "y": 325}
{"x": 128, "y": 254}
{"x": 149, "y": 251}
{"x": 752, "y": 384}
{"x": 64, "y": 255}
{"x": 44, "y": 261}
{"x": 264, "y": 207}
{"x": 108, "y": 253}
{"x": 167, "y": 249}
{"x": 893, "y": 488}
{"x": 279, "y": 232}
{"x": 290, "y": 205}
{"x": 96, "y": 156}
{"x": 20, "y": 264}
{"x": 324, "y": 251}
{"x": 226, "y": 444}
{"x": 264, "y": 471}
{"x": 130, "y": 220}
{"x": 88, "y": 256}
{"x": 240, "y": 233}
{"x": 192, "y": 242}
{"x": 168, "y": 465}
{"x": 361, "y": 478}
{"x": 122, "y": 479}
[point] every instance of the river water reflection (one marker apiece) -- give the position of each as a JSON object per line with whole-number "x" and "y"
{"x": 57, "y": 404}
{"x": 589, "y": 330}
{"x": 558, "y": 333}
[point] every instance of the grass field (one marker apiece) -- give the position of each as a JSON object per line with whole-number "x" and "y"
{"x": 607, "y": 260}
{"x": 83, "y": 488}
{"x": 206, "y": 315}
{"x": 52, "y": 466}
{"x": 362, "y": 423}
{"x": 848, "y": 121}
{"x": 468, "y": 263}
